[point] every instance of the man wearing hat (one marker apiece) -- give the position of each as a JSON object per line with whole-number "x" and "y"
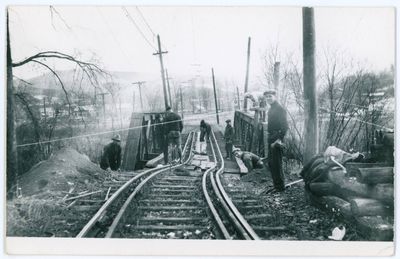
{"x": 277, "y": 127}
{"x": 111, "y": 157}
{"x": 228, "y": 136}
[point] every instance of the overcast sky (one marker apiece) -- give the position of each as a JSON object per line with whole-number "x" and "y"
{"x": 208, "y": 36}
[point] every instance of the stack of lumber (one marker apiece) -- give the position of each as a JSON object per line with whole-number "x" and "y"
{"x": 360, "y": 192}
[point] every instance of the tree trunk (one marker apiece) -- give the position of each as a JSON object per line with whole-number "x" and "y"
{"x": 370, "y": 207}
{"x": 375, "y": 175}
{"x": 12, "y": 160}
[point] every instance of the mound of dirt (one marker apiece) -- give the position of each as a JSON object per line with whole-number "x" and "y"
{"x": 64, "y": 170}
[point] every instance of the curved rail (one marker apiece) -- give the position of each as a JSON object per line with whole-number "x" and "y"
{"x": 140, "y": 186}
{"x": 245, "y": 225}
{"x": 214, "y": 212}
{"x": 85, "y": 230}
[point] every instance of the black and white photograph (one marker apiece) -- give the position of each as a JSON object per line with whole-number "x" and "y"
{"x": 265, "y": 124}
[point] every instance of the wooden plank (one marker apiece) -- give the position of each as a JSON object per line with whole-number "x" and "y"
{"x": 172, "y": 219}
{"x": 257, "y": 216}
{"x": 155, "y": 161}
{"x": 375, "y": 175}
{"x": 370, "y": 207}
{"x": 265, "y": 228}
{"x": 164, "y": 208}
{"x": 132, "y": 142}
{"x": 175, "y": 186}
{"x": 169, "y": 228}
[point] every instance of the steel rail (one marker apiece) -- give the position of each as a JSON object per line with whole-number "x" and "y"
{"x": 229, "y": 202}
{"x": 220, "y": 197}
{"x": 115, "y": 195}
{"x": 138, "y": 188}
{"x": 214, "y": 212}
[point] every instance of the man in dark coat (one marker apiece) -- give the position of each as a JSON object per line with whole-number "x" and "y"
{"x": 228, "y": 136}
{"x": 173, "y": 127}
{"x": 111, "y": 157}
{"x": 205, "y": 130}
{"x": 277, "y": 127}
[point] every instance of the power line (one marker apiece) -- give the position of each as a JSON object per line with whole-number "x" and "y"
{"x": 137, "y": 27}
{"x": 112, "y": 131}
{"x": 144, "y": 19}
{"x": 113, "y": 35}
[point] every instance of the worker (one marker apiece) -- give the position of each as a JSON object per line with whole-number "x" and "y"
{"x": 250, "y": 160}
{"x": 205, "y": 131}
{"x": 173, "y": 127}
{"x": 228, "y": 136}
{"x": 277, "y": 127}
{"x": 111, "y": 157}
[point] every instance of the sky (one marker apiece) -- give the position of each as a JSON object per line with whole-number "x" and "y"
{"x": 198, "y": 38}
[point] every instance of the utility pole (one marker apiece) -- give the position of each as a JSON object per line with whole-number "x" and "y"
{"x": 104, "y": 105}
{"x": 140, "y": 83}
{"x": 310, "y": 100}
{"x": 180, "y": 93}
{"x": 215, "y": 95}
{"x": 169, "y": 89}
{"x": 238, "y": 96}
{"x": 246, "y": 81}
{"x": 160, "y": 53}
{"x": 276, "y": 75}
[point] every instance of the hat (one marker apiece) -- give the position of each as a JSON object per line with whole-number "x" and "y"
{"x": 270, "y": 91}
{"x": 117, "y": 138}
{"x": 228, "y": 120}
{"x": 236, "y": 150}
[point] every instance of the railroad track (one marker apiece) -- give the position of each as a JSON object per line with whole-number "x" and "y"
{"x": 182, "y": 201}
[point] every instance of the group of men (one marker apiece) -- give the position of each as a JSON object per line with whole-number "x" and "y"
{"x": 173, "y": 126}
{"x": 277, "y": 127}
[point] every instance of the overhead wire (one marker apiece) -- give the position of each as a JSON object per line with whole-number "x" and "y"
{"x": 113, "y": 131}
{"x": 137, "y": 27}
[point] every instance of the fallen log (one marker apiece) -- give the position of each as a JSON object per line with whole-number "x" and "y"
{"x": 332, "y": 204}
{"x": 348, "y": 188}
{"x": 370, "y": 207}
{"x": 322, "y": 189}
{"x": 375, "y": 175}
{"x": 375, "y": 228}
{"x": 352, "y": 167}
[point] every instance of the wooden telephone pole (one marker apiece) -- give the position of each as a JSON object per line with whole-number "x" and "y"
{"x": 215, "y": 95}
{"x": 310, "y": 100}
{"x": 180, "y": 95}
{"x": 140, "y": 83}
{"x": 160, "y": 53}
{"x": 246, "y": 81}
{"x": 169, "y": 89}
{"x": 238, "y": 97}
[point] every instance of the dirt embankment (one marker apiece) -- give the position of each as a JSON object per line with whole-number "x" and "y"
{"x": 39, "y": 207}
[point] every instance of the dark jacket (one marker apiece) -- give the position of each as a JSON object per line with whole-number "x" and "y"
{"x": 205, "y": 130}
{"x": 229, "y": 134}
{"x": 277, "y": 122}
{"x": 172, "y": 122}
{"x": 111, "y": 157}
